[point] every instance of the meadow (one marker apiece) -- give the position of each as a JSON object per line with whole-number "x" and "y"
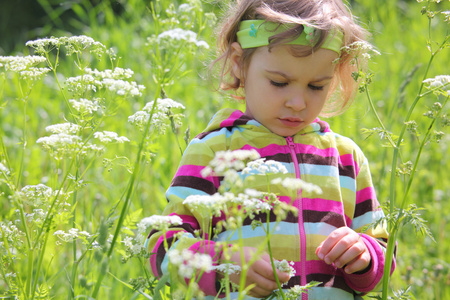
{"x": 72, "y": 204}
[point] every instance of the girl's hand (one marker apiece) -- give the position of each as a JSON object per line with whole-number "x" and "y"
{"x": 345, "y": 248}
{"x": 260, "y": 273}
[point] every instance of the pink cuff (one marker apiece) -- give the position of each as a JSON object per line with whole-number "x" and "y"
{"x": 366, "y": 282}
{"x": 207, "y": 282}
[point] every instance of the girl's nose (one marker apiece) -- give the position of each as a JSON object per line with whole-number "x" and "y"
{"x": 296, "y": 102}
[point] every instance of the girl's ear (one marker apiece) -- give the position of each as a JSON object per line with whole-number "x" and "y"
{"x": 235, "y": 58}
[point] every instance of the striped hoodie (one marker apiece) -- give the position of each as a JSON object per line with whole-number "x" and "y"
{"x": 316, "y": 155}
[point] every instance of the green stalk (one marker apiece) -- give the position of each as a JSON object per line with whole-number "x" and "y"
{"x": 269, "y": 249}
{"x": 127, "y": 198}
{"x": 393, "y": 232}
{"x": 38, "y": 269}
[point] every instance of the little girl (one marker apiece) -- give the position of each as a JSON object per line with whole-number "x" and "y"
{"x": 285, "y": 55}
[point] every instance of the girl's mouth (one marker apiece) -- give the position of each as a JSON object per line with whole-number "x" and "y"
{"x": 291, "y": 122}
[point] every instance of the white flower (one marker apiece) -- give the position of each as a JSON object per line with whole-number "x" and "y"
{"x": 44, "y": 45}
{"x": 4, "y": 169}
{"x": 163, "y": 105}
{"x": 228, "y": 269}
{"x": 59, "y": 140}
{"x": 297, "y": 184}
{"x": 438, "y": 82}
{"x": 161, "y": 114}
{"x": 128, "y": 242}
{"x": 214, "y": 203}
{"x": 20, "y": 63}
{"x": 122, "y": 87}
{"x": 161, "y": 222}
{"x": 84, "y": 106}
{"x": 446, "y": 16}
{"x": 81, "y": 84}
{"x": 262, "y": 167}
{"x": 71, "y": 235}
{"x": 188, "y": 262}
{"x": 77, "y": 44}
{"x": 180, "y": 35}
{"x": 109, "y": 136}
{"x": 117, "y": 73}
{"x": 34, "y": 73}
{"x": 65, "y": 128}
{"x": 235, "y": 160}
{"x": 285, "y": 266}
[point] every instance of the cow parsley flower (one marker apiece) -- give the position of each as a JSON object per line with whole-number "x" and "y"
{"x": 34, "y": 73}
{"x": 109, "y": 137}
{"x": 227, "y": 269}
{"x": 45, "y": 45}
{"x": 179, "y": 37}
{"x": 122, "y": 87}
{"x": 297, "y": 184}
{"x": 215, "y": 204}
{"x": 82, "y": 84}
{"x": 235, "y": 160}
{"x": 440, "y": 83}
{"x": 161, "y": 222}
{"x": 285, "y": 266}
{"x": 262, "y": 167}
{"x": 162, "y": 113}
{"x": 117, "y": 73}
{"x": 72, "y": 234}
{"x": 20, "y": 63}
{"x": 65, "y": 128}
{"x": 4, "y": 169}
{"x": 80, "y": 43}
{"x": 189, "y": 262}
{"x": 446, "y": 16}
{"x": 84, "y": 106}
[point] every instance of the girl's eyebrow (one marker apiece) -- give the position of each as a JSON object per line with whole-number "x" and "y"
{"x": 319, "y": 79}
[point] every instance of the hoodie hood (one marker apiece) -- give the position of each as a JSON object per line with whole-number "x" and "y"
{"x": 228, "y": 118}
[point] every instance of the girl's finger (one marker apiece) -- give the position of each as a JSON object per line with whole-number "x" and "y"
{"x": 358, "y": 264}
{"x": 350, "y": 254}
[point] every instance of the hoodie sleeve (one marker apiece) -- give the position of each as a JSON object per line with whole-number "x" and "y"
{"x": 368, "y": 210}
{"x": 187, "y": 181}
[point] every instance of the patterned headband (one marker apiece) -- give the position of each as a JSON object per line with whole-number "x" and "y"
{"x": 256, "y": 33}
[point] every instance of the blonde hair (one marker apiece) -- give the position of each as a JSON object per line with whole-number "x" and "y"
{"x": 324, "y": 15}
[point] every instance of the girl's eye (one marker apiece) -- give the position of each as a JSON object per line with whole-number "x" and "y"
{"x": 315, "y": 87}
{"x": 278, "y": 84}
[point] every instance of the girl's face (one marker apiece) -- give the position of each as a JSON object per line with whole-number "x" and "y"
{"x": 283, "y": 92}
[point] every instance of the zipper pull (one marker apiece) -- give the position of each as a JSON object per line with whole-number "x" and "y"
{"x": 290, "y": 142}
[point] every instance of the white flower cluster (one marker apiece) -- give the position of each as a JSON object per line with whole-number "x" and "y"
{"x": 109, "y": 137}
{"x": 40, "y": 195}
{"x": 226, "y": 160}
{"x": 117, "y": 73}
{"x": 24, "y": 66}
{"x": 84, "y": 106}
{"x": 59, "y": 140}
{"x": 297, "y": 184}
{"x": 136, "y": 248}
{"x": 360, "y": 50}
{"x": 189, "y": 262}
{"x": 227, "y": 269}
{"x": 251, "y": 202}
{"x": 66, "y": 128}
{"x": 37, "y": 216}
{"x": 77, "y": 44}
{"x": 160, "y": 222}
{"x": 63, "y": 141}
{"x": 262, "y": 167}
{"x": 4, "y": 169}
{"x": 34, "y": 73}
{"x": 215, "y": 204}
{"x": 440, "y": 83}
{"x": 112, "y": 80}
{"x": 161, "y": 114}
{"x": 81, "y": 84}
{"x": 72, "y": 234}
{"x": 9, "y": 231}
{"x": 123, "y": 87}
{"x": 43, "y": 45}
{"x": 178, "y": 38}
{"x": 285, "y": 266}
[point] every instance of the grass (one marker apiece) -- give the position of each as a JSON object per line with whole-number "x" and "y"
{"x": 399, "y": 32}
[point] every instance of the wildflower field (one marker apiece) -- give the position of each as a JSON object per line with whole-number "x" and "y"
{"x": 93, "y": 124}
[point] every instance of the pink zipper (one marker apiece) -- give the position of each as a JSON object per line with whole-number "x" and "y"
{"x": 301, "y": 228}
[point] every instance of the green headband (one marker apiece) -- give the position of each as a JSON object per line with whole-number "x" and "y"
{"x": 256, "y": 33}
